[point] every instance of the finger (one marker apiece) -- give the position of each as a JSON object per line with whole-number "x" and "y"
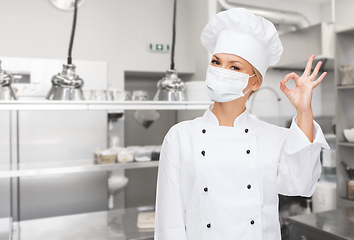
{"x": 319, "y": 80}
{"x": 292, "y": 75}
{"x": 315, "y": 71}
{"x": 309, "y": 65}
{"x": 284, "y": 88}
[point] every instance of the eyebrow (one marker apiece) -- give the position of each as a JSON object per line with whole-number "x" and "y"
{"x": 236, "y": 61}
{"x": 230, "y": 61}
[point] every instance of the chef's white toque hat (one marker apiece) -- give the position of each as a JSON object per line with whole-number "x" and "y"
{"x": 238, "y": 31}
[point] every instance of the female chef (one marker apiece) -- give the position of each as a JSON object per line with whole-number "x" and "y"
{"x": 220, "y": 174}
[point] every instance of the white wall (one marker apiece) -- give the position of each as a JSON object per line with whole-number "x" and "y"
{"x": 310, "y": 10}
{"x": 107, "y": 30}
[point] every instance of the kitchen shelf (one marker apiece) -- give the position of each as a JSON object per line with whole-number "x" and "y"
{"x": 344, "y": 47}
{"x": 120, "y": 224}
{"x": 345, "y": 87}
{"x": 344, "y": 201}
{"x": 346, "y": 144}
{"x": 347, "y": 199}
{"x": 344, "y": 30}
{"x": 75, "y": 166}
{"x": 102, "y": 105}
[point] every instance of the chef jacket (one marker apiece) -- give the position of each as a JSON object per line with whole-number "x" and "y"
{"x": 219, "y": 182}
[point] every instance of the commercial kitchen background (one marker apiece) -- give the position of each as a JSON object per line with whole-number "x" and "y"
{"x": 118, "y": 33}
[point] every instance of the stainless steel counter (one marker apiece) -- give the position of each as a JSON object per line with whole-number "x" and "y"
{"x": 117, "y": 224}
{"x": 336, "y": 224}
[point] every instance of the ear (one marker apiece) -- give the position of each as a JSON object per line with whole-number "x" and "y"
{"x": 256, "y": 85}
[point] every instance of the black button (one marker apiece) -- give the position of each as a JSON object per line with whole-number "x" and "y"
{"x": 205, "y": 189}
{"x": 249, "y": 186}
{"x": 208, "y": 225}
{"x": 248, "y": 151}
{"x": 203, "y": 153}
{"x": 246, "y": 130}
{"x": 252, "y": 222}
{"x": 203, "y": 131}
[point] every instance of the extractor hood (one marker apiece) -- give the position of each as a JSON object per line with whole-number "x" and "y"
{"x": 301, "y": 44}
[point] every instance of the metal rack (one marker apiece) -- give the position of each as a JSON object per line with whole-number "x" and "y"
{"x": 75, "y": 166}
{"x": 102, "y": 105}
{"x": 86, "y": 165}
{"x": 344, "y": 112}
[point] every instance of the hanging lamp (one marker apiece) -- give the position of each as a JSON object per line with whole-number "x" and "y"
{"x": 171, "y": 88}
{"x": 67, "y": 85}
{"x": 6, "y": 90}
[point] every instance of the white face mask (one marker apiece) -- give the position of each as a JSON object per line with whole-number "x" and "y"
{"x": 225, "y": 85}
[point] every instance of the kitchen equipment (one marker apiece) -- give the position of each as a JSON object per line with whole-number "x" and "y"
{"x": 115, "y": 183}
{"x": 170, "y": 88}
{"x": 329, "y": 158}
{"x": 350, "y": 183}
{"x": 127, "y": 95}
{"x": 106, "y": 156}
{"x": 146, "y": 220}
{"x": 155, "y": 152}
{"x": 98, "y": 95}
{"x": 6, "y": 90}
{"x": 146, "y": 117}
{"x": 140, "y": 96}
{"x": 307, "y": 210}
{"x": 325, "y": 196}
{"x": 113, "y": 141}
{"x": 125, "y": 155}
{"x": 67, "y": 85}
{"x": 31, "y": 75}
{"x": 350, "y": 171}
{"x": 95, "y": 154}
{"x": 196, "y": 91}
{"x": 349, "y": 134}
{"x": 143, "y": 154}
{"x": 87, "y": 94}
{"x": 116, "y": 95}
{"x": 351, "y": 189}
{"x": 347, "y": 74}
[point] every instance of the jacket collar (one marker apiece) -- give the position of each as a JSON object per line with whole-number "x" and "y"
{"x": 209, "y": 116}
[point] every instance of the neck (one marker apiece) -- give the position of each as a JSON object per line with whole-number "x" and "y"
{"x": 227, "y": 112}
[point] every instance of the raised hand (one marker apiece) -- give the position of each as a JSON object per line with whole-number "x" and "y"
{"x": 300, "y": 96}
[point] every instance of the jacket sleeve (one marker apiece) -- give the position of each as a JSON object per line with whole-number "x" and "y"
{"x": 169, "y": 208}
{"x": 299, "y": 167}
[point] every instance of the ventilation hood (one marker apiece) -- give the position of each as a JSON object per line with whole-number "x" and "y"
{"x": 288, "y": 18}
{"x": 301, "y": 44}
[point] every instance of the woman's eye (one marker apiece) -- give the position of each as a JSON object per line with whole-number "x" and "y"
{"x": 235, "y": 68}
{"x": 215, "y": 62}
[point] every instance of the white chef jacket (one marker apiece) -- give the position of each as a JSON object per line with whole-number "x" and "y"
{"x": 218, "y": 182}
